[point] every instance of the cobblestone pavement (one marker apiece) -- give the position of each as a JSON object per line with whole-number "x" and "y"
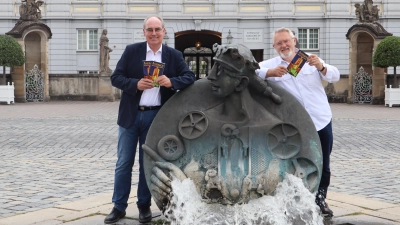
{"x": 58, "y": 152}
{"x": 366, "y": 151}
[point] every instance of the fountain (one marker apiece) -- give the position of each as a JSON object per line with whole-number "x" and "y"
{"x": 238, "y": 145}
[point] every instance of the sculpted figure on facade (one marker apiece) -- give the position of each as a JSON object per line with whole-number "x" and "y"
{"x": 104, "y": 53}
{"x": 368, "y": 5}
{"x": 233, "y": 138}
{"x": 360, "y": 12}
{"x": 30, "y": 10}
{"x": 375, "y": 13}
{"x": 367, "y": 12}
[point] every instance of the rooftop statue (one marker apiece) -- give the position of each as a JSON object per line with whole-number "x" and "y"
{"x": 233, "y": 134}
{"x": 30, "y": 18}
{"x": 367, "y": 12}
{"x": 30, "y": 10}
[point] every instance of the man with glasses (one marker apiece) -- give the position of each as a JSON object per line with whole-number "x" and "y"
{"x": 308, "y": 89}
{"x": 139, "y": 104}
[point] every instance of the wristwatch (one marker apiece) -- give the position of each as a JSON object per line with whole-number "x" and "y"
{"x": 323, "y": 67}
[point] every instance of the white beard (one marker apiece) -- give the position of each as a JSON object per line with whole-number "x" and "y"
{"x": 285, "y": 56}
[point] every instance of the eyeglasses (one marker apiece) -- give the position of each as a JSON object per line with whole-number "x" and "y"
{"x": 151, "y": 30}
{"x": 280, "y": 43}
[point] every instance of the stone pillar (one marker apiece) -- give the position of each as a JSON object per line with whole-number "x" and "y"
{"x": 352, "y": 68}
{"x": 18, "y": 77}
{"x": 378, "y": 85}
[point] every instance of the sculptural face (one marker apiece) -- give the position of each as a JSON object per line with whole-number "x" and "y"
{"x": 222, "y": 84}
{"x": 154, "y": 33}
{"x": 284, "y": 45}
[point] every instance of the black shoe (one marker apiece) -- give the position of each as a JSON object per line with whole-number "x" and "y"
{"x": 320, "y": 200}
{"x": 145, "y": 214}
{"x": 114, "y": 216}
{"x": 325, "y": 210}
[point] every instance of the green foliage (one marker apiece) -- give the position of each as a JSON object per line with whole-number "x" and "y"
{"x": 11, "y": 53}
{"x": 387, "y": 53}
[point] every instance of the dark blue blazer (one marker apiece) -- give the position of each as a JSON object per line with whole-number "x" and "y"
{"x": 129, "y": 71}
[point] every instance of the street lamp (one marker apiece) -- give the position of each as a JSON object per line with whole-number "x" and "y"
{"x": 229, "y": 37}
{"x": 166, "y": 38}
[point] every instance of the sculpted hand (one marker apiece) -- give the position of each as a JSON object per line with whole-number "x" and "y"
{"x": 164, "y": 81}
{"x": 279, "y": 71}
{"x": 161, "y": 173}
{"x": 161, "y": 183}
{"x": 144, "y": 84}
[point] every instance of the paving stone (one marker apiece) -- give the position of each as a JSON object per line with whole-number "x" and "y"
{"x": 18, "y": 208}
{"x": 62, "y": 152}
{"x": 362, "y": 220}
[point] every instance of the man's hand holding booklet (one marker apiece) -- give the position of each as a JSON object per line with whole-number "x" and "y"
{"x": 297, "y": 63}
{"x": 152, "y": 69}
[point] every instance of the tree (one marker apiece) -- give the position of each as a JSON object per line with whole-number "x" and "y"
{"x": 387, "y": 54}
{"x": 11, "y": 54}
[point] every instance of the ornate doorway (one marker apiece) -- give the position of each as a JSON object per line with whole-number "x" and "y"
{"x": 199, "y": 60}
{"x": 196, "y": 47}
{"x": 362, "y": 87}
{"x": 34, "y": 84}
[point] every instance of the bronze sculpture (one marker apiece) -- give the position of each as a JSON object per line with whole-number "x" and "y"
{"x": 234, "y": 135}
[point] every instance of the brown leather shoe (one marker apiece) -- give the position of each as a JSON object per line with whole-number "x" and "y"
{"x": 145, "y": 214}
{"x": 114, "y": 216}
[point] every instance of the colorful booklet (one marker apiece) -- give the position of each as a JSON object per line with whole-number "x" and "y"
{"x": 297, "y": 63}
{"x": 152, "y": 69}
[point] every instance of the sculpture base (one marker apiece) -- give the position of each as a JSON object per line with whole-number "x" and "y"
{"x": 106, "y": 90}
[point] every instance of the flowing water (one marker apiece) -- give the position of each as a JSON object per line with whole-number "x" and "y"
{"x": 292, "y": 204}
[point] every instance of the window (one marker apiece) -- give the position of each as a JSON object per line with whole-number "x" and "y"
{"x": 87, "y": 39}
{"x": 308, "y": 38}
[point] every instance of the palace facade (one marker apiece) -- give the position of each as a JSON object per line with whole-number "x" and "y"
{"x": 193, "y": 26}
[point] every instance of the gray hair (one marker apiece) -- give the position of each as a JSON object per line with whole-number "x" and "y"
{"x": 283, "y": 29}
{"x": 158, "y": 17}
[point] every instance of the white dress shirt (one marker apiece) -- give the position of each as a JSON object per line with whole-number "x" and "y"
{"x": 306, "y": 87}
{"x": 152, "y": 97}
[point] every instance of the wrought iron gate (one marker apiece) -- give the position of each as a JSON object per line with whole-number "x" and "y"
{"x": 34, "y": 85}
{"x": 362, "y": 87}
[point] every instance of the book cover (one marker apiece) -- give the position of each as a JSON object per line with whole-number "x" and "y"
{"x": 152, "y": 69}
{"x": 297, "y": 63}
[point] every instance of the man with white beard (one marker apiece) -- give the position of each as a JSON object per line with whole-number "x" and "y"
{"x": 308, "y": 89}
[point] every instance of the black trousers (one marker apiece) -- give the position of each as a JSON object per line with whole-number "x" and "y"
{"x": 326, "y": 138}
